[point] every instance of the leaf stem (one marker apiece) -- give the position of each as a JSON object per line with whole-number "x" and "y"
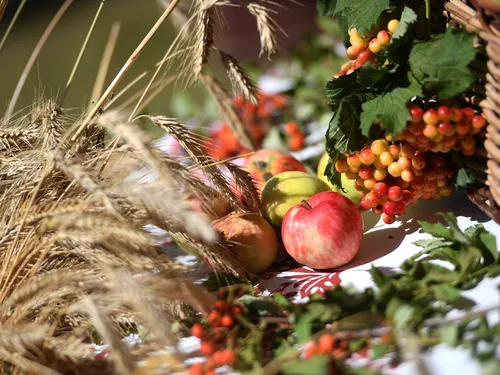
{"x": 428, "y": 15}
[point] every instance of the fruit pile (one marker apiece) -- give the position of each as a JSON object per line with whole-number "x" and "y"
{"x": 364, "y": 47}
{"x": 444, "y": 129}
{"x": 259, "y": 119}
{"x": 392, "y": 177}
{"x": 265, "y": 164}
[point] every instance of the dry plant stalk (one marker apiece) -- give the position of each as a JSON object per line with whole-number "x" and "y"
{"x": 227, "y": 111}
{"x": 266, "y": 26}
{"x": 240, "y": 80}
{"x": 75, "y": 258}
{"x": 204, "y": 37}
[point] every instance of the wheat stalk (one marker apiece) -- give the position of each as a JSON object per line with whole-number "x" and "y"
{"x": 228, "y": 113}
{"x": 204, "y": 36}
{"x": 197, "y": 224}
{"x": 266, "y": 26}
{"x": 240, "y": 80}
{"x": 122, "y": 361}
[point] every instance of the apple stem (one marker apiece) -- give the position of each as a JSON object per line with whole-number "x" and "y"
{"x": 305, "y": 203}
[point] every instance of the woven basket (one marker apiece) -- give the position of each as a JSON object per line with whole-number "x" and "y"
{"x": 485, "y": 195}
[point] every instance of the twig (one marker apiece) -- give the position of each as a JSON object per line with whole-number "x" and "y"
{"x": 439, "y": 322}
{"x": 11, "y": 25}
{"x": 82, "y": 51}
{"x": 3, "y": 5}
{"x": 217, "y": 162}
{"x": 105, "y": 62}
{"x": 33, "y": 57}
{"x": 160, "y": 65}
{"x": 124, "y": 69}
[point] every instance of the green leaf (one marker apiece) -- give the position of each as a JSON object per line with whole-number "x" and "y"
{"x": 370, "y": 77}
{"x": 436, "y": 230}
{"x": 361, "y": 14}
{"x": 449, "y": 334}
{"x": 400, "y": 45}
{"x": 393, "y": 305}
{"x": 355, "y": 345}
{"x": 441, "y": 65}
{"x": 389, "y": 109}
{"x": 468, "y": 259}
{"x": 360, "y": 320}
{"x": 259, "y": 306}
{"x": 490, "y": 243}
{"x": 343, "y": 87}
{"x": 333, "y": 176}
{"x": 379, "y": 278}
{"x": 431, "y": 244}
{"x": 282, "y": 300}
{"x": 303, "y": 327}
{"x": 446, "y": 293}
{"x": 364, "y": 371}
{"x": 404, "y": 315}
{"x": 343, "y": 134}
{"x": 446, "y": 254}
{"x": 326, "y": 7}
{"x": 457, "y": 233}
{"x": 380, "y": 350}
{"x": 318, "y": 364}
{"x": 490, "y": 367}
{"x": 494, "y": 271}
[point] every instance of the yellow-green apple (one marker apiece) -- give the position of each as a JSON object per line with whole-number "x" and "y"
{"x": 324, "y": 231}
{"x": 348, "y": 188}
{"x": 253, "y": 238}
{"x": 286, "y": 190}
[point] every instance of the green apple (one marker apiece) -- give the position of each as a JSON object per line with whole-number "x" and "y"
{"x": 348, "y": 185}
{"x": 286, "y": 190}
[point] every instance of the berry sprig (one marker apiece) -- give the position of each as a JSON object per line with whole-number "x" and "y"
{"x": 294, "y": 136}
{"x": 444, "y": 129}
{"x": 364, "y": 47}
{"x": 391, "y": 177}
{"x": 258, "y": 119}
{"x": 215, "y": 338}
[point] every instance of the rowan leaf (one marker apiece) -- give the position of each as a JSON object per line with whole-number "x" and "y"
{"x": 361, "y": 14}
{"x": 441, "y": 65}
{"x": 449, "y": 334}
{"x": 343, "y": 134}
{"x": 388, "y": 109}
{"x": 317, "y": 365}
{"x": 400, "y": 45}
{"x": 326, "y": 7}
{"x": 436, "y": 230}
{"x": 446, "y": 293}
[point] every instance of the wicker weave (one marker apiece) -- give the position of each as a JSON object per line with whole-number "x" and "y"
{"x": 490, "y": 107}
{"x": 486, "y": 196}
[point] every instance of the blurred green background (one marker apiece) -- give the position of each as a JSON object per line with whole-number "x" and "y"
{"x": 49, "y": 76}
{"x": 54, "y": 65}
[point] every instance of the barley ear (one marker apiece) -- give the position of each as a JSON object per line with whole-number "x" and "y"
{"x": 227, "y": 111}
{"x": 240, "y": 80}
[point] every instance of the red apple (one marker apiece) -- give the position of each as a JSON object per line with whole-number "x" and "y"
{"x": 323, "y": 232}
{"x": 253, "y": 238}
